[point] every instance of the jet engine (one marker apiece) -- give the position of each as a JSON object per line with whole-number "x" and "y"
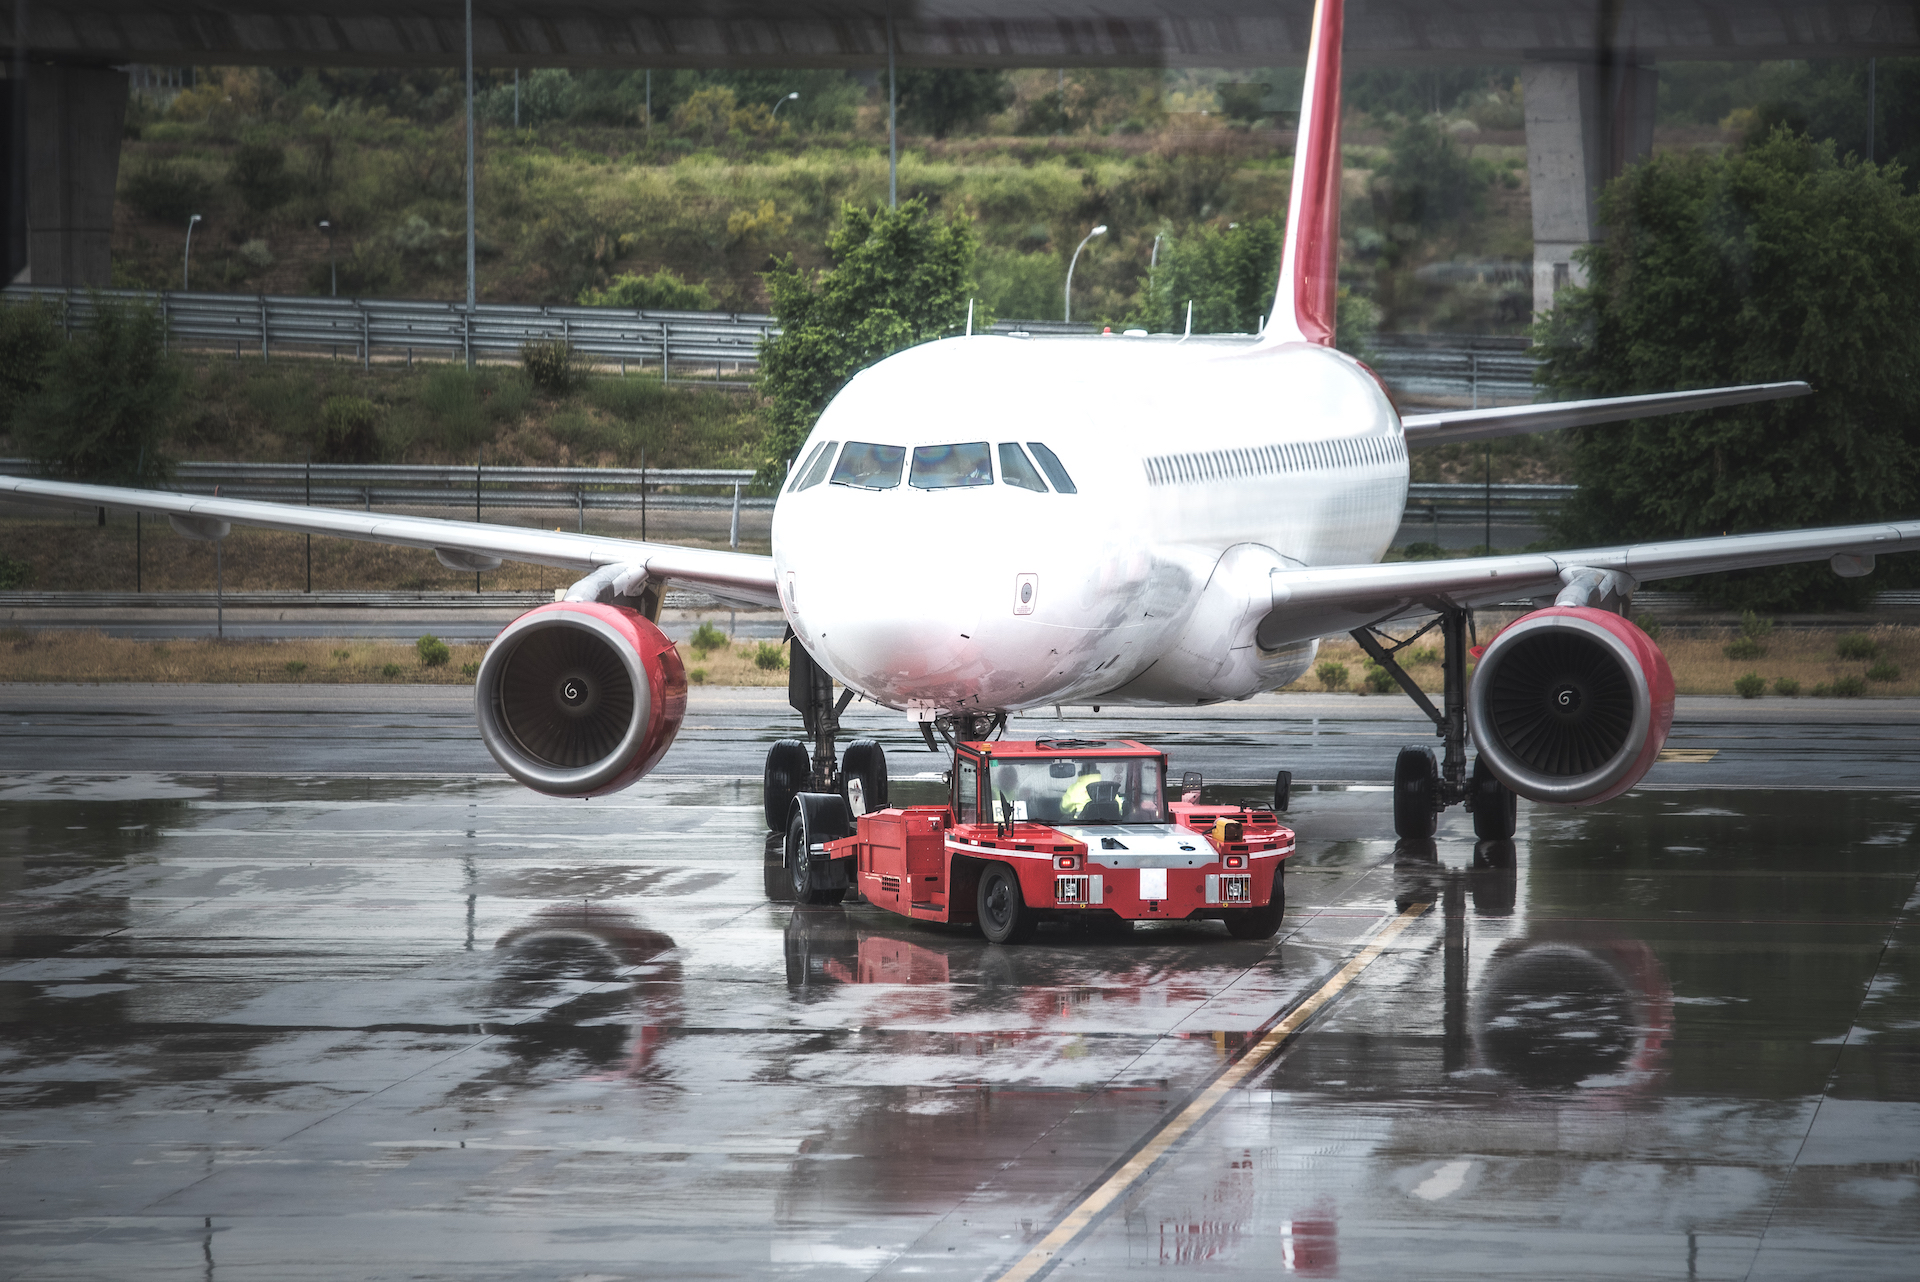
{"x": 577, "y": 699}
{"x": 1570, "y": 705}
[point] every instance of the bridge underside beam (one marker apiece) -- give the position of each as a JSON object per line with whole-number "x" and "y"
{"x": 982, "y": 33}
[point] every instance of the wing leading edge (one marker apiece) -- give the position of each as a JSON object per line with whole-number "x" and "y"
{"x": 1452, "y": 426}
{"x": 1324, "y": 601}
{"x": 735, "y": 577}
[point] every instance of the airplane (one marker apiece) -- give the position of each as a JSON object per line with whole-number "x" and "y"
{"x": 985, "y": 524}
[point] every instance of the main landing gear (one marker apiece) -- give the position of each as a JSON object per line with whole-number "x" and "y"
{"x": 1422, "y": 787}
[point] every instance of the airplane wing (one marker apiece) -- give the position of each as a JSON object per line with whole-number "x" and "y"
{"x": 1452, "y": 426}
{"x": 1321, "y": 601}
{"x": 735, "y": 577}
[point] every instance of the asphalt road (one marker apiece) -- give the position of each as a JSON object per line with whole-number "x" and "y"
{"x": 294, "y": 985}
{"x": 1322, "y": 738}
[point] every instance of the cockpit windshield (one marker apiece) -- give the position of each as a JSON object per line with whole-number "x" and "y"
{"x": 1079, "y": 790}
{"x": 869, "y": 466}
{"x": 941, "y": 467}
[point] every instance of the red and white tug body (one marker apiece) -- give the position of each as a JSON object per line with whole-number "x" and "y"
{"x": 1063, "y": 829}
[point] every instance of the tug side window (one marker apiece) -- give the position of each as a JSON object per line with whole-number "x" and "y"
{"x": 818, "y": 472}
{"x": 869, "y": 466}
{"x": 968, "y": 804}
{"x": 1050, "y": 463}
{"x": 1016, "y": 470}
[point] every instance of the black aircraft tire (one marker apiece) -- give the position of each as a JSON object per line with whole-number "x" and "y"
{"x": 1261, "y": 923}
{"x": 866, "y": 761}
{"x": 788, "y": 766}
{"x": 1004, "y": 915}
{"x": 799, "y": 872}
{"x": 1496, "y": 811}
{"x": 1415, "y": 778}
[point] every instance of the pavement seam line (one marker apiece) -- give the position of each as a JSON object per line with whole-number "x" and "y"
{"x": 1076, "y": 1221}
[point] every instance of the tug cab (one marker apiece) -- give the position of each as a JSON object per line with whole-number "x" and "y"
{"x": 1054, "y": 829}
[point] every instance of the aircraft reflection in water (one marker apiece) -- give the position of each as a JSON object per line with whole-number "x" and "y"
{"x": 585, "y": 946}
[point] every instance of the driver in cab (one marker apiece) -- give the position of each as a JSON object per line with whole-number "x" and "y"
{"x": 1079, "y": 792}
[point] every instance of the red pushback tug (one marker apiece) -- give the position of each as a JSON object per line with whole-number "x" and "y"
{"x": 1061, "y": 829}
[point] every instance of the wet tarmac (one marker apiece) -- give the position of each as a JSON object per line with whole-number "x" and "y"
{"x": 334, "y": 1024}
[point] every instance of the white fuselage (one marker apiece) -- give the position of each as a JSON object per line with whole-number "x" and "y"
{"x": 1195, "y": 464}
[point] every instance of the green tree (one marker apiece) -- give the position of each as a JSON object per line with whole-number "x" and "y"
{"x": 1779, "y": 262}
{"x": 938, "y": 100}
{"x": 662, "y": 291}
{"x": 1230, "y": 277}
{"x": 107, "y": 400}
{"x": 29, "y": 336}
{"x": 898, "y": 277}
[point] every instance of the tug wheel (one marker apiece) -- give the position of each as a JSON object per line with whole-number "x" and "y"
{"x": 1264, "y": 922}
{"x": 788, "y": 767}
{"x": 1004, "y": 915}
{"x": 800, "y": 869}
{"x": 1415, "y": 781}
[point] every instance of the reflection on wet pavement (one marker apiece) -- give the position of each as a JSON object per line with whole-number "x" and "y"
{"x": 329, "y": 1027}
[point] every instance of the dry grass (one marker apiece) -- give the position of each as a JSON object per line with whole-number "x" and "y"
{"x": 93, "y": 657}
{"x": 1700, "y": 664}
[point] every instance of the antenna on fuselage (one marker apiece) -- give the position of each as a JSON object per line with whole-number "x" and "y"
{"x": 969, "y": 318}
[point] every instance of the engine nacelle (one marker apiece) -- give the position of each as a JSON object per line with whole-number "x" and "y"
{"x": 577, "y": 699}
{"x": 1570, "y": 705}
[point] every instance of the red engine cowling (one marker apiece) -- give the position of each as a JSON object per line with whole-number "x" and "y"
{"x": 578, "y": 699}
{"x": 1570, "y": 705}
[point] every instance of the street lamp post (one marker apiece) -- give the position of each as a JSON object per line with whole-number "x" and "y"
{"x": 186, "y": 259}
{"x": 333, "y": 268}
{"x": 792, "y": 97}
{"x": 1101, "y": 230}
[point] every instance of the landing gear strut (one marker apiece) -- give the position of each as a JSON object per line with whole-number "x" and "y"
{"x": 1423, "y": 788}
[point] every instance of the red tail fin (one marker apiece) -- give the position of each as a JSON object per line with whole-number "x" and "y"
{"x": 1303, "y": 307}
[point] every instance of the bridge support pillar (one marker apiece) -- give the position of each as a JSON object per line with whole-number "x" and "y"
{"x": 74, "y": 120}
{"x": 1586, "y": 122}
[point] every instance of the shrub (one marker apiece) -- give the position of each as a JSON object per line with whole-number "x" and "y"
{"x": 1745, "y": 648}
{"x": 769, "y": 657}
{"x": 29, "y": 336}
{"x": 1378, "y": 679}
{"x": 1751, "y": 686}
{"x": 1423, "y": 551}
{"x": 1333, "y": 675}
{"x": 1857, "y": 645}
{"x": 1883, "y": 671}
{"x": 390, "y": 670}
{"x": 1787, "y": 686}
{"x": 167, "y": 193}
{"x": 107, "y": 400}
{"x": 550, "y": 365}
{"x": 1849, "y": 687}
{"x": 255, "y": 255}
{"x": 349, "y": 434}
{"x": 296, "y": 666}
{"x": 259, "y": 174}
{"x": 707, "y": 638}
{"x": 433, "y": 651}
{"x": 1752, "y": 625}
{"x": 663, "y": 291}
{"x": 1425, "y": 654}
{"x": 469, "y": 670}
{"x": 341, "y": 656}
{"x": 698, "y": 676}
{"x": 14, "y": 575}
{"x": 1651, "y": 627}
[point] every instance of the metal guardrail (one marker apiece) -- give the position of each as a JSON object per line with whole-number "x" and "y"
{"x": 1416, "y": 366}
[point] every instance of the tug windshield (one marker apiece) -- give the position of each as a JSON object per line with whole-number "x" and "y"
{"x": 1080, "y": 790}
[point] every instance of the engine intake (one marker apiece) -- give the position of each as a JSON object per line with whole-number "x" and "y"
{"x": 577, "y": 699}
{"x": 1570, "y": 705}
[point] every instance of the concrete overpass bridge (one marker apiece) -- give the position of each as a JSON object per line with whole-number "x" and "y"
{"x": 1587, "y": 66}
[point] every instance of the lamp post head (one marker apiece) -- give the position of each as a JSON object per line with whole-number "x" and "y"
{"x": 325, "y": 225}
{"x": 1101, "y": 230}
{"x": 794, "y": 96}
{"x": 191, "y": 221}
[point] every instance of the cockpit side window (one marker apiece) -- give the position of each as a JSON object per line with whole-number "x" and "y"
{"x": 943, "y": 467}
{"x": 1050, "y": 463}
{"x": 869, "y": 466}
{"x": 800, "y": 473}
{"x": 818, "y": 472}
{"x": 1016, "y": 470}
